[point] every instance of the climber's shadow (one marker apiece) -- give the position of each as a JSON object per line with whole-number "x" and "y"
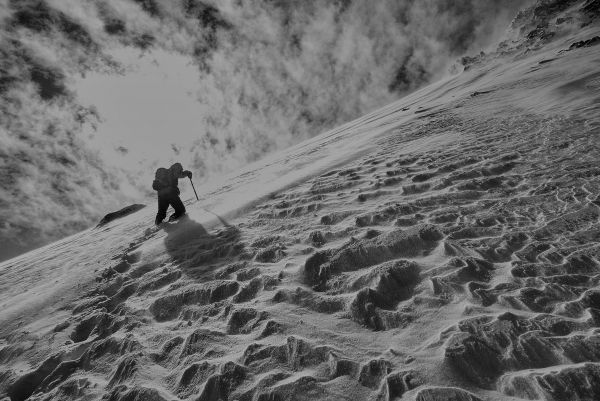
{"x": 195, "y": 249}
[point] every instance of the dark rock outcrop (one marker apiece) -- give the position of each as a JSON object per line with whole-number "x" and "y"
{"x": 120, "y": 213}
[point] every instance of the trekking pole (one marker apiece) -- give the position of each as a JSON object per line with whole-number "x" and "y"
{"x": 195, "y": 193}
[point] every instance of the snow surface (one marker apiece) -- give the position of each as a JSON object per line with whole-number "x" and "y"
{"x": 443, "y": 246}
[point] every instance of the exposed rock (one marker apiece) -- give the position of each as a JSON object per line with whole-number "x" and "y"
{"x": 120, "y": 213}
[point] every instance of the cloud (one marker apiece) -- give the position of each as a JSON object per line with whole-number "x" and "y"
{"x": 51, "y": 184}
{"x": 232, "y": 81}
{"x": 279, "y": 76}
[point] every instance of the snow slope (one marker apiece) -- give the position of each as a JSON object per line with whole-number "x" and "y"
{"x": 445, "y": 247}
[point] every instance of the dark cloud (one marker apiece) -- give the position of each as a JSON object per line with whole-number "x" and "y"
{"x": 270, "y": 74}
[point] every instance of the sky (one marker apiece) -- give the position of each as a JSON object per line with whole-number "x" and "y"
{"x": 155, "y": 98}
{"x": 97, "y": 94}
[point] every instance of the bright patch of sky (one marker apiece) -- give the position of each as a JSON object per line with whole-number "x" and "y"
{"x": 145, "y": 111}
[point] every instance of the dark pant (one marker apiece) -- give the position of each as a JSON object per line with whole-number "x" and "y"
{"x": 166, "y": 199}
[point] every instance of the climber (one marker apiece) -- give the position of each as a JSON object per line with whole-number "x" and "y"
{"x": 165, "y": 183}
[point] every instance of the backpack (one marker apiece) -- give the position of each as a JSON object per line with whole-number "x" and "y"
{"x": 162, "y": 176}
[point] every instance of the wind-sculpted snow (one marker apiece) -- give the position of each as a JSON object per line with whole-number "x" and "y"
{"x": 451, "y": 253}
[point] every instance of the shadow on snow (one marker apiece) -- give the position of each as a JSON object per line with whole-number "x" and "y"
{"x": 196, "y": 250}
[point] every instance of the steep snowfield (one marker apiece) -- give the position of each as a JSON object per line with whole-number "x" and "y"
{"x": 445, "y": 247}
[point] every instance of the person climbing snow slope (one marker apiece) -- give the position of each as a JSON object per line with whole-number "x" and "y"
{"x": 166, "y": 185}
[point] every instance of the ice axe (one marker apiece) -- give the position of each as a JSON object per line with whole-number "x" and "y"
{"x": 195, "y": 193}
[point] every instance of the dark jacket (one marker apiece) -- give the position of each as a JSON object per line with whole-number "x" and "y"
{"x": 166, "y": 182}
